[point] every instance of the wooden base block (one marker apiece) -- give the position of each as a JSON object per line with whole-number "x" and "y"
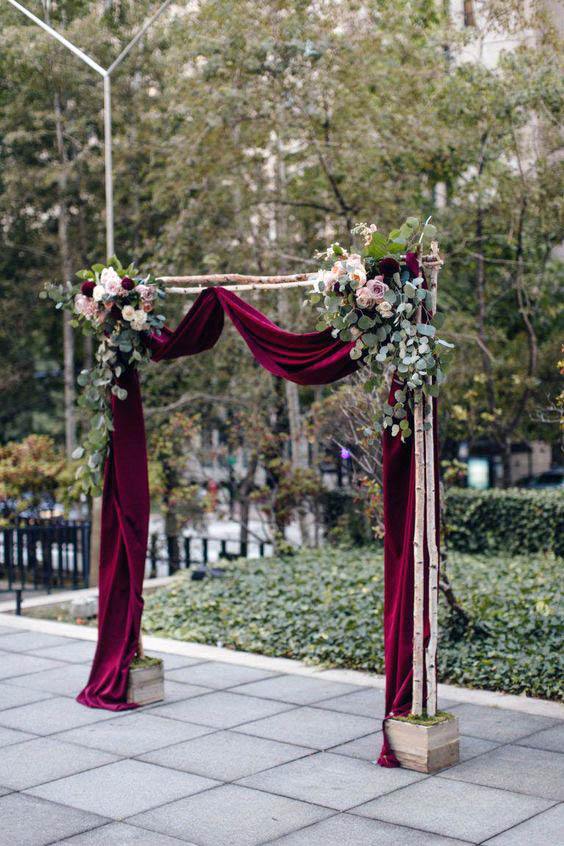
{"x": 146, "y": 684}
{"x": 426, "y": 749}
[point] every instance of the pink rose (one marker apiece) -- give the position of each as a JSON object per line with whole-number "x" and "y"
{"x": 146, "y": 292}
{"x": 80, "y": 302}
{"x": 113, "y": 287}
{"x": 365, "y": 298}
{"x": 378, "y": 288}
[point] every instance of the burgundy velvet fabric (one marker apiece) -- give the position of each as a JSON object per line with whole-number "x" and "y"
{"x": 308, "y": 359}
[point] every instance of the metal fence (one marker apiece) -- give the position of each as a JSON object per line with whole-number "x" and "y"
{"x": 43, "y": 556}
{"x": 166, "y": 555}
{"x": 56, "y": 555}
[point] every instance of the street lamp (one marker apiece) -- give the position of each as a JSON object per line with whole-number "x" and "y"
{"x": 106, "y": 74}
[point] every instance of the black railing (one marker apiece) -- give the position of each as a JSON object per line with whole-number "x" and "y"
{"x": 44, "y": 556}
{"x": 166, "y": 555}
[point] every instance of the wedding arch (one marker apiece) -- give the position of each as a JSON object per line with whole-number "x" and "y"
{"x": 377, "y": 308}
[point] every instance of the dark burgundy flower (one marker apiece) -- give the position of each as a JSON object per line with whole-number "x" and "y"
{"x": 388, "y": 266}
{"x": 87, "y": 288}
{"x": 127, "y": 284}
{"x": 412, "y": 264}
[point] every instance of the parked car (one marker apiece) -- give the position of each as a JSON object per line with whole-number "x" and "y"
{"x": 549, "y": 479}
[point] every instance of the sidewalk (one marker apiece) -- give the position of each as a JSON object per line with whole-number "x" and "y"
{"x": 250, "y": 751}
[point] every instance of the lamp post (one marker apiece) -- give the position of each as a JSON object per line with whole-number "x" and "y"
{"x": 106, "y": 74}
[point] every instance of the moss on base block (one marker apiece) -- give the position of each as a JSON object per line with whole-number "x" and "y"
{"x": 146, "y": 661}
{"x": 424, "y": 720}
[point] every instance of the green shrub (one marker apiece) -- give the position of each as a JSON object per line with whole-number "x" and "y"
{"x": 325, "y": 607}
{"x": 511, "y": 520}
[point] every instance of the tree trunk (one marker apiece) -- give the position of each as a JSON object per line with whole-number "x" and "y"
{"x": 244, "y": 496}
{"x": 66, "y": 271}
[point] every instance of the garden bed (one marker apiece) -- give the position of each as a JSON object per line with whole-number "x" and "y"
{"x": 325, "y": 607}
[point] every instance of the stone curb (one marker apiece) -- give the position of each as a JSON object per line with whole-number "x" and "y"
{"x": 492, "y": 699}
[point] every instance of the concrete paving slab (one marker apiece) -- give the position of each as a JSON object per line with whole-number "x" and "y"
{"x": 454, "y": 808}
{"x": 8, "y": 736}
{"x": 226, "y": 755}
{"x": 538, "y": 773}
{"x": 175, "y": 692}
{"x": 311, "y": 727}
{"x": 45, "y": 759}
{"x": 348, "y": 830}
{"x": 551, "y": 739}
{"x": 122, "y": 789}
{"x": 14, "y": 665}
{"x": 217, "y": 675}
{"x": 29, "y": 821}
{"x": 470, "y": 747}
{"x": 120, "y": 834}
{"x": 25, "y": 641}
{"x": 74, "y": 651}
{"x": 11, "y": 696}
{"x": 62, "y": 680}
{"x": 231, "y": 816}
{"x": 543, "y": 830}
{"x": 366, "y": 748}
{"x": 334, "y": 781}
{"x": 498, "y": 724}
{"x": 221, "y": 709}
{"x": 299, "y": 690}
{"x": 52, "y": 715}
{"x": 133, "y": 734}
{"x": 367, "y": 703}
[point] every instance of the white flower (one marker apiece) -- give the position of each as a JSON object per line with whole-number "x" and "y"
{"x": 128, "y": 312}
{"x": 339, "y": 269}
{"x": 110, "y": 280}
{"x": 138, "y": 320}
{"x": 385, "y": 309}
{"x": 98, "y": 292}
{"x": 326, "y": 276}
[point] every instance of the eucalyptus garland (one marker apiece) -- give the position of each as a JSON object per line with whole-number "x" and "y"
{"x": 118, "y": 308}
{"x": 377, "y": 298}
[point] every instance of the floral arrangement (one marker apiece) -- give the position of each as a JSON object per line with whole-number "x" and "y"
{"x": 119, "y": 308}
{"x": 377, "y": 298}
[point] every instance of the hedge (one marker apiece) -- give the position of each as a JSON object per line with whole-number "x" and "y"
{"x": 512, "y": 520}
{"x": 325, "y": 607}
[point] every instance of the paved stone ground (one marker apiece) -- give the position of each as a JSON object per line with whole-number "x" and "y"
{"x": 239, "y": 756}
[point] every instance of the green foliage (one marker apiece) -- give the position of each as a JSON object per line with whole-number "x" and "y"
{"x": 121, "y": 321}
{"x": 511, "y": 521}
{"x": 30, "y": 471}
{"x": 325, "y": 607}
{"x": 393, "y": 324}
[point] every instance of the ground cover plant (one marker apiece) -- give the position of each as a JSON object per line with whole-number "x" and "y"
{"x": 325, "y": 607}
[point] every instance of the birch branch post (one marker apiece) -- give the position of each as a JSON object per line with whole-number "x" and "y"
{"x": 432, "y": 494}
{"x": 418, "y": 551}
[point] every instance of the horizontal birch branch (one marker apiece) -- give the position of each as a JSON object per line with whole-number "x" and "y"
{"x": 242, "y": 282}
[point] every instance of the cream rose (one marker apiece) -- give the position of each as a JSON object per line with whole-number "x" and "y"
{"x": 128, "y": 312}
{"x": 98, "y": 292}
{"x": 384, "y": 309}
